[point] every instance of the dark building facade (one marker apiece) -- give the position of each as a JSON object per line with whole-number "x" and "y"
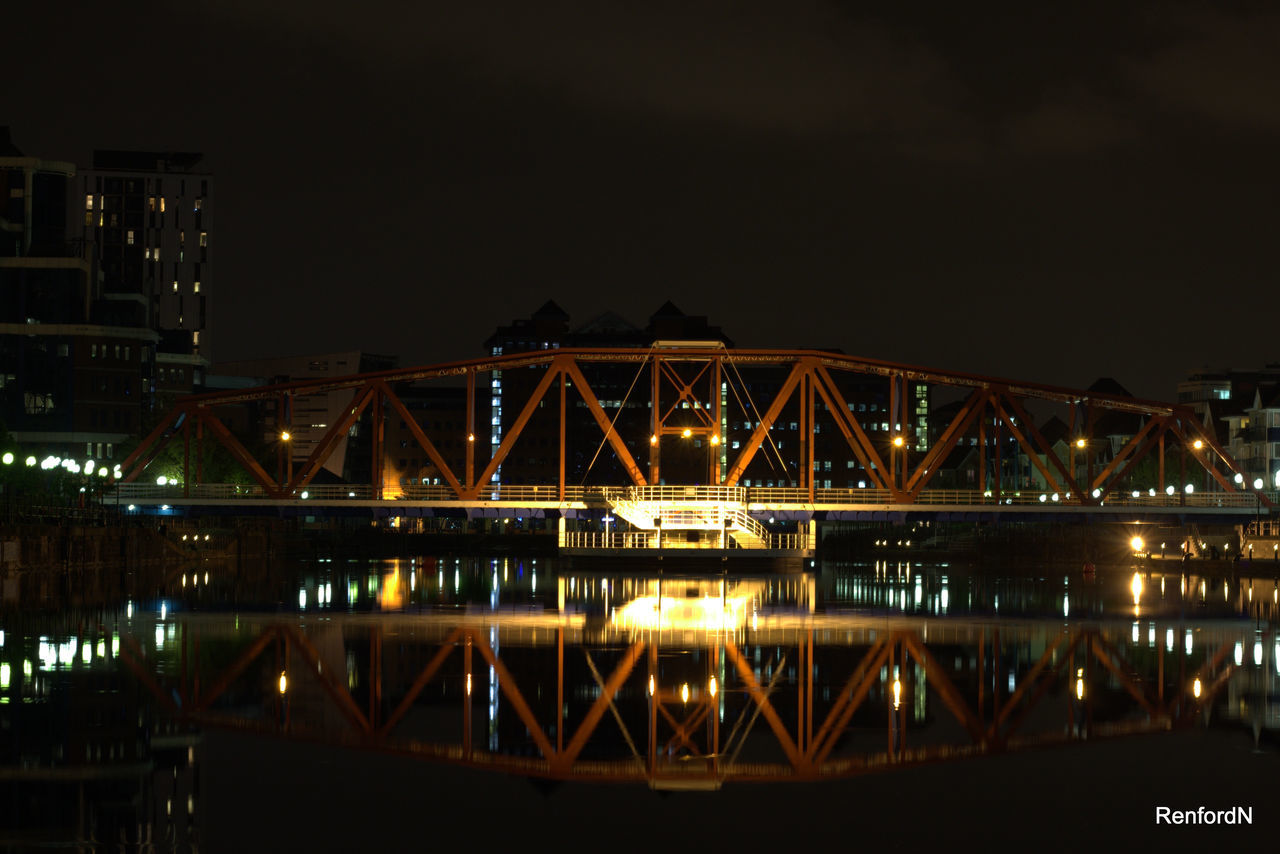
{"x": 71, "y": 374}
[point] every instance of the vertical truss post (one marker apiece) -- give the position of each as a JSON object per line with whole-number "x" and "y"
{"x": 808, "y": 705}
{"x": 1071, "y": 689}
{"x": 375, "y": 675}
{"x": 1160, "y": 676}
{"x": 376, "y": 426}
{"x": 806, "y": 434}
{"x": 982, "y": 450}
{"x": 1088, "y": 692}
{"x": 655, "y": 422}
{"x": 717, "y": 382}
{"x": 995, "y": 410}
{"x": 715, "y": 713}
{"x": 471, "y": 430}
{"x": 195, "y": 680}
{"x": 1182, "y": 474}
{"x": 888, "y": 694}
{"x": 560, "y": 689}
{"x": 1160, "y": 485}
{"x": 995, "y": 673}
{"x": 982, "y": 678}
{"x": 800, "y": 692}
{"x": 653, "y": 690}
{"x": 466, "y": 698}
{"x": 564, "y": 385}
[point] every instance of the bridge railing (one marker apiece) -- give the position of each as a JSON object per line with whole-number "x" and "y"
{"x": 676, "y": 494}
{"x": 649, "y": 540}
{"x": 127, "y": 492}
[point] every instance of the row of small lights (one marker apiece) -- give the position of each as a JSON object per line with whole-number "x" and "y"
{"x": 70, "y": 465}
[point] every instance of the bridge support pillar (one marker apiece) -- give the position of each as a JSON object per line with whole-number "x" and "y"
{"x": 561, "y": 528}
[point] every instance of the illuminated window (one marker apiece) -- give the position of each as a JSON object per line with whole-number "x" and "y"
{"x": 151, "y": 204}
{"x": 195, "y": 289}
{"x": 162, "y": 204}
{"x": 88, "y": 202}
{"x": 128, "y": 237}
{"x": 182, "y": 237}
{"x": 93, "y": 351}
{"x": 204, "y": 238}
{"x": 175, "y": 286}
{"x": 198, "y": 203}
{"x": 195, "y": 337}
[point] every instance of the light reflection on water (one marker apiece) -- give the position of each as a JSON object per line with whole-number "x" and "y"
{"x": 82, "y": 692}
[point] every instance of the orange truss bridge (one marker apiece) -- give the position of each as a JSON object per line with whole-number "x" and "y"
{"x": 777, "y": 697}
{"x": 696, "y": 413}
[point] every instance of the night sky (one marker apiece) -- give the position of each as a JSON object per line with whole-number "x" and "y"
{"x": 1045, "y": 195}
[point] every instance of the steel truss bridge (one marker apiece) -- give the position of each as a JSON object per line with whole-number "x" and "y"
{"x": 689, "y": 393}
{"x": 695, "y": 704}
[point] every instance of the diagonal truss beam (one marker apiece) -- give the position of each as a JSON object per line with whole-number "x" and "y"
{"x": 507, "y": 685}
{"x": 602, "y": 420}
{"x": 1044, "y": 447}
{"x": 851, "y": 697}
{"x": 859, "y": 443}
{"x": 761, "y": 433}
{"x": 1124, "y": 673}
{"x": 336, "y": 433}
{"x": 799, "y": 762}
{"x": 238, "y": 451}
{"x": 565, "y": 760}
{"x": 941, "y": 682}
{"x": 151, "y": 446}
{"x": 1137, "y": 445}
{"x": 684, "y": 392}
{"x": 970, "y": 410}
{"x": 1031, "y": 450}
{"x": 428, "y": 673}
{"x": 311, "y": 656}
{"x": 554, "y": 370}
{"x": 421, "y": 438}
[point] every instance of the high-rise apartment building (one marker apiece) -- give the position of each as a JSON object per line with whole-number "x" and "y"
{"x": 69, "y": 372}
{"x": 146, "y": 218}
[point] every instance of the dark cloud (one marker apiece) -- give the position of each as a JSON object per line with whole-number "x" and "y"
{"x": 1217, "y": 66}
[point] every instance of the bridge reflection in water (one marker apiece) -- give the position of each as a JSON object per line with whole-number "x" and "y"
{"x": 689, "y": 683}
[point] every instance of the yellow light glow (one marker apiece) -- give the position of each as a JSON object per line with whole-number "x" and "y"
{"x": 708, "y": 613}
{"x": 684, "y": 693}
{"x": 285, "y": 436}
{"x": 1197, "y": 444}
{"x": 715, "y": 440}
{"x": 712, "y": 688}
{"x": 468, "y": 684}
{"x": 1079, "y": 688}
{"x": 1079, "y": 443}
{"x": 1137, "y": 544}
{"x": 898, "y": 441}
{"x": 1136, "y": 587}
{"x": 652, "y": 686}
{"x": 1195, "y": 688}
{"x": 897, "y": 693}
{"x": 284, "y": 682}
{"x": 471, "y": 437}
{"x": 653, "y": 440}
{"x": 687, "y": 433}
